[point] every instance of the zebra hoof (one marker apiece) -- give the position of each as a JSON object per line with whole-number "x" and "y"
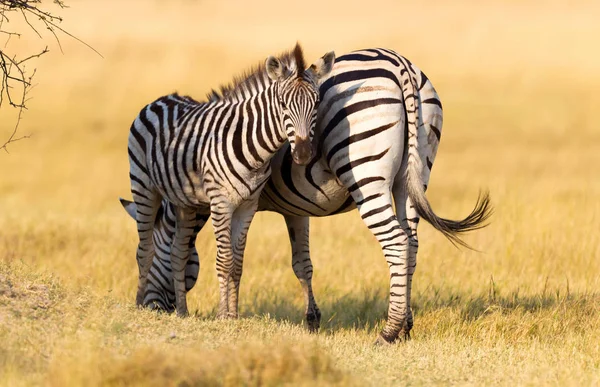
{"x": 139, "y": 301}
{"x": 313, "y": 321}
{"x": 227, "y": 316}
{"x": 183, "y": 313}
{"x": 158, "y": 308}
{"x": 313, "y": 327}
{"x": 381, "y": 342}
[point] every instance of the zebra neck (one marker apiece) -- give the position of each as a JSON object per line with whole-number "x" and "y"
{"x": 259, "y": 132}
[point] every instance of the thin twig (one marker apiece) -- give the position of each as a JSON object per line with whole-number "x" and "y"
{"x": 34, "y": 56}
{"x": 9, "y": 33}
{"x": 29, "y": 24}
{"x": 76, "y": 38}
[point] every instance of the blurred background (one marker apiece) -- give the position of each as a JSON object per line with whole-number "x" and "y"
{"x": 518, "y": 81}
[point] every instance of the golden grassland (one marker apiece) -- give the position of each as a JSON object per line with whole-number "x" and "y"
{"x": 518, "y": 81}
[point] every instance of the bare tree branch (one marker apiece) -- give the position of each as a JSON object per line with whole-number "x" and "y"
{"x": 15, "y": 80}
{"x": 29, "y": 24}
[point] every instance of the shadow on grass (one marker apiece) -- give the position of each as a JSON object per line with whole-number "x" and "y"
{"x": 364, "y": 311}
{"x": 368, "y": 310}
{"x": 473, "y": 307}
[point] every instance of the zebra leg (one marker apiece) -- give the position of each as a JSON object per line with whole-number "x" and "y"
{"x": 147, "y": 204}
{"x": 298, "y": 230}
{"x": 221, "y": 214}
{"x": 180, "y": 252}
{"x": 160, "y": 291}
{"x": 193, "y": 265}
{"x": 375, "y": 207}
{"x": 241, "y": 220}
{"x": 409, "y": 220}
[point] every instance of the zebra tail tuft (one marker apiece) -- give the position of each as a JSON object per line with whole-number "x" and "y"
{"x": 477, "y": 219}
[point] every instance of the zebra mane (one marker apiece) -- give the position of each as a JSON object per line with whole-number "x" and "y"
{"x": 257, "y": 76}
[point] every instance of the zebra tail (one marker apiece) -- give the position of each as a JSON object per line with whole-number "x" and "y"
{"x": 451, "y": 229}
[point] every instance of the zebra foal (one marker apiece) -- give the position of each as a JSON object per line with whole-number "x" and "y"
{"x": 214, "y": 158}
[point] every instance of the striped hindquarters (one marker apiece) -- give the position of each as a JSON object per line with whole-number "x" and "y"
{"x": 362, "y": 124}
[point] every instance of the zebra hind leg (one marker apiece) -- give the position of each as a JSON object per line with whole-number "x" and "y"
{"x": 147, "y": 204}
{"x": 298, "y": 230}
{"x": 180, "y": 253}
{"x": 193, "y": 265}
{"x": 375, "y": 208}
{"x": 409, "y": 221}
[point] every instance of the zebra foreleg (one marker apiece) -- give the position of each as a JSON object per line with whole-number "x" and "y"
{"x": 180, "y": 253}
{"x": 221, "y": 214}
{"x": 240, "y": 224}
{"x": 377, "y": 213}
{"x": 298, "y": 230}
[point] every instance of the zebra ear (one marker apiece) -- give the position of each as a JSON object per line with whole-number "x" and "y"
{"x": 129, "y": 206}
{"x": 274, "y": 68}
{"x": 322, "y": 67}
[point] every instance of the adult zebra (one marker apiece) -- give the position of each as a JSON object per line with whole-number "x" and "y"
{"x": 373, "y": 143}
{"x": 215, "y": 157}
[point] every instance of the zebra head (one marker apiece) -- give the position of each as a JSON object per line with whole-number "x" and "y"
{"x": 297, "y": 92}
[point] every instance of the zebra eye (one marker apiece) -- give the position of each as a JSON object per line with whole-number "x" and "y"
{"x": 282, "y": 103}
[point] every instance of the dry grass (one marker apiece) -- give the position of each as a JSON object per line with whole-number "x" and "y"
{"x": 518, "y": 83}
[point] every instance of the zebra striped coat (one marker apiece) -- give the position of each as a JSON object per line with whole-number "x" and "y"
{"x": 214, "y": 157}
{"x": 379, "y": 126}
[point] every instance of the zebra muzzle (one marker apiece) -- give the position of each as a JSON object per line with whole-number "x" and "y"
{"x": 302, "y": 152}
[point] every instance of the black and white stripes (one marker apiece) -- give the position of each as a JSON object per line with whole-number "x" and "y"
{"x": 379, "y": 126}
{"x": 160, "y": 293}
{"x": 214, "y": 157}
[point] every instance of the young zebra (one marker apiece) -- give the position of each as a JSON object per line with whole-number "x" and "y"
{"x": 362, "y": 160}
{"x": 214, "y": 157}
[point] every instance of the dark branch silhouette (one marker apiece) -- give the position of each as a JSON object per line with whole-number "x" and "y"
{"x": 16, "y": 80}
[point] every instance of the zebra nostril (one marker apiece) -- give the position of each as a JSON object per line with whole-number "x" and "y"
{"x": 302, "y": 152}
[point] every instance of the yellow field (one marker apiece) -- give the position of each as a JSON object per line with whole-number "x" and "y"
{"x": 519, "y": 84}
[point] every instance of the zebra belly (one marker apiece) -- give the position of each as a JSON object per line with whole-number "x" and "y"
{"x": 310, "y": 190}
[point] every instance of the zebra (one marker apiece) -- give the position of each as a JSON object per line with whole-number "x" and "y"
{"x": 214, "y": 158}
{"x": 160, "y": 293}
{"x": 379, "y": 127}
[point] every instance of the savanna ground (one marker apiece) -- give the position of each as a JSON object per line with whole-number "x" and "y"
{"x": 519, "y": 85}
